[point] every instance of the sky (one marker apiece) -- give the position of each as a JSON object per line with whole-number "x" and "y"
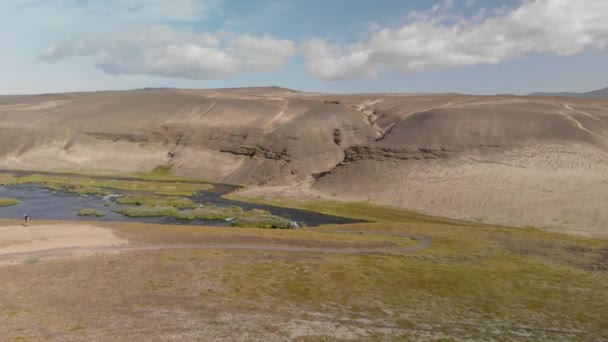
{"x": 340, "y": 46}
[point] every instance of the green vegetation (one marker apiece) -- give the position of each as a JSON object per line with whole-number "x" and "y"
{"x": 261, "y": 219}
{"x": 209, "y": 213}
{"x": 58, "y": 182}
{"x": 254, "y": 218}
{"x": 154, "y": 200}
{"x": 354, "y": 210}
{"x": 91, "y": 212}
{"x": 175, "y": 193}
{"x": 168, "y": 195}
{"x": 89, "y": 190}
{"x": 80, "y": 172}
{"x": 157, "y": 234}
{"x": 161, "y": 173}
{"x": 164, "y": 173}
{"x": 157, "y": 207}
{"x": 149, "y": 211}
{"x": 475, "y": 282}
{"x": 470, "y": 274}
{"x": 6, "y": 202}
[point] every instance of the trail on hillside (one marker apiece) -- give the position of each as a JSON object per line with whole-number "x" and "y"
{"x": 424, "y": 242}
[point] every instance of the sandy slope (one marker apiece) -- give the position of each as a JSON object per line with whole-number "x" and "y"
{"x": 21, "y": 239}
{"x": 538, "y": 161}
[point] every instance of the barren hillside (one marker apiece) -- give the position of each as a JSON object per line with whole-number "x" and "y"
{"x": 537, "y": 161}
{"x": 594, "y": 94}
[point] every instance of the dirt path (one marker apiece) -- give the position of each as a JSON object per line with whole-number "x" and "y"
{"x": 579, "y": 124}
{"x": 425, "y": 242}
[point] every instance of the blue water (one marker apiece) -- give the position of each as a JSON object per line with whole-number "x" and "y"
{"x": 41, "y": 203}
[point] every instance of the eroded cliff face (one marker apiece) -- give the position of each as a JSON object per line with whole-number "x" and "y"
{"x": 504, "y": 159}
{"x": 246, "y": 138}
{"x": 364, "y": 152}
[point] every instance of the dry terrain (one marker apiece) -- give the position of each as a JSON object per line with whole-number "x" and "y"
{"x": 25, "y": 239}
{"x": 594, "y": 94}
{"x": 521, "y": 161}
{"x": 132, "y": 282}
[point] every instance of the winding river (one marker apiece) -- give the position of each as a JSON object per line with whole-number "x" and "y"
{"x": 41, "y": 203}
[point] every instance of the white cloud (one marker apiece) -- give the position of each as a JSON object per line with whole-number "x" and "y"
{"x": 168, "y": 52}
{"x": 331, "y": 62}
{"x": 433, "y": 40}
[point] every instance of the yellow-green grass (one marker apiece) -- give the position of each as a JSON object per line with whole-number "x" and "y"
{"x": 6, "y": 202}
{"x": 261, "y": 219}
{"x": 159, "y": 206}
{"x": 163, "y": 173}
{"x": 476, "y": 281}
{"x": 175, "y": 193}
{"x": 470, "y": 275}
{"x": 91, "y": 212}
{"x": 473, "y": 283}
{"x": 65, "y": 182}
{"x": 81, "y": 172}
{"x": 354, "y": 210}
{"x": 88, "y": 190}
{"x": 209, "y": 213}
{"x": 157, "y": 174}
{"x": 328, "y": 236}
{"x": 155, "y": 200}
{"x": 149, "y": 211}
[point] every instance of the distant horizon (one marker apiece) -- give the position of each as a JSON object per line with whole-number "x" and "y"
{"x": 292, "y": 89}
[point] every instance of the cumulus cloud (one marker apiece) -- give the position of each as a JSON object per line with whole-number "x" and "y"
{"x": 435, "y": 40}
{"x": 168, "y": 52}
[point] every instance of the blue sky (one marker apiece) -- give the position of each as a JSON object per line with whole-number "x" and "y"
{"x": 468, "y": 46}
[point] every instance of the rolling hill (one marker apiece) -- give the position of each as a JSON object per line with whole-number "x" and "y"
{"x": 595, "y": 94}
{"x": 523, "y": 161}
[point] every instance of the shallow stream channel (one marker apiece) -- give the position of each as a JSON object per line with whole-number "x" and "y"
{"x": 41, "y": 203}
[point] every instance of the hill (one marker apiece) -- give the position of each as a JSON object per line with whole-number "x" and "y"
{"x": 595, "y": 94}
{"x": 525, "y": 161}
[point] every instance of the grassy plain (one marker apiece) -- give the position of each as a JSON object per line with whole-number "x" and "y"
{"x": 475, "y": 282}
{"x": 93, "y": 185}
{"x": 479, "y": 283}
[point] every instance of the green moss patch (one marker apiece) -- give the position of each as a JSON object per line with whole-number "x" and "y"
{"x": 354, "y": 210}
{"x": 261, "y": 219}
{"x": 155, "y": 200}
{"x": 149, "y": 211}
{"x": 59, "y": 181}
{"x": 89, "y": 190}
{"x": 91, "y": 212}
{"x": 6, "y": 202}
{"x": 175, "y": 193}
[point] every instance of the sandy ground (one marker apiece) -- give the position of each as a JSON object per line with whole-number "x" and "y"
{"x": 557, "y": 188}
{"x": 552, "y": 187}
{"x": 21, "y": 239}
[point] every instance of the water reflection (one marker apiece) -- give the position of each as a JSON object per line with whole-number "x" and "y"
{"x": 44, "y": 204}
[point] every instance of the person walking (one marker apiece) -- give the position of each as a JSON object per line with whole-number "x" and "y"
{"x": 26, "y": 220}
